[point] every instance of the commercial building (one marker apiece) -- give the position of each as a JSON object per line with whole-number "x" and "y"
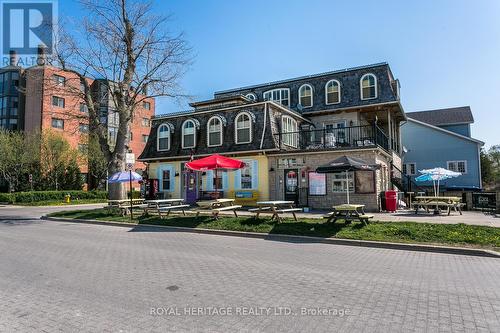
{"x": 283, "y": 130}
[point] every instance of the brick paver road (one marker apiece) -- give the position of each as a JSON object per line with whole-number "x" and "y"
{"x": 88, "y": 278}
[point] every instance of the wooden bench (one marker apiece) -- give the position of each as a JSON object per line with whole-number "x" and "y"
{"x": 365, "y": 217}
{"x": 289, "y": 210}
{"x": 216, "y": 211}
{"x": 168, "y": 209}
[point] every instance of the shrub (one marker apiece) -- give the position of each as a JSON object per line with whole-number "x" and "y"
{"x": 34, "y": 196}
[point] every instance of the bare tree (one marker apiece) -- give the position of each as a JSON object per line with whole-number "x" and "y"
{"x": 126, "y": 47}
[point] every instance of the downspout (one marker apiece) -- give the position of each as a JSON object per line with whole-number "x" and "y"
{"x": 265, "y": 125}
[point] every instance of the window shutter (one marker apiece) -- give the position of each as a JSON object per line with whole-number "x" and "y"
{"x": 237, "y": 180}
{"x": 172, "y": 178}
{"x": 255, "y": 174}
{"x": 210, "y": 180}
{"x": 224, "y": 180}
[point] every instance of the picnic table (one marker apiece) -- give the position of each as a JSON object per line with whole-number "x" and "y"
{"x": 276, "y": 207}
{"x": 124, "y": 205}
{"x": 348, "y": 212}
{"x": 165, "y": 205}
{"x": 425, "y": 202}
{"x": 218, "y": 205}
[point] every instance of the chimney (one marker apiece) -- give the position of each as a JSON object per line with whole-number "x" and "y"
{"x": 12, "y": 58}
{"x": 41, "y": 59}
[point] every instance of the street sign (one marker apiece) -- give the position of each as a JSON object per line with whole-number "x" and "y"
{"x": 129, "y": 158}
{"x": 30, "y": 178}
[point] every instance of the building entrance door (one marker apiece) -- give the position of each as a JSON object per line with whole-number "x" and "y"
{"x": 191, "y": 186}
{"x": 291, "y": 185}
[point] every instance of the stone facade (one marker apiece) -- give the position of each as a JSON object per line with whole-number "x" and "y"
{"x": 309, "y": 162}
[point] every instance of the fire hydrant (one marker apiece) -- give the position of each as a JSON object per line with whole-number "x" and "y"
{"x": 67, "y": 198}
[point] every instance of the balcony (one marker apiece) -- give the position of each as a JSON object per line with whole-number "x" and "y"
{"x": 333, "y": 138}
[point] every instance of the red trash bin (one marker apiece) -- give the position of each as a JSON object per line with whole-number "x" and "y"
{"x": 391, "y": 201}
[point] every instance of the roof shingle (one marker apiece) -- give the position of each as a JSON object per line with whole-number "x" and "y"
{"x": 449, "y": 116}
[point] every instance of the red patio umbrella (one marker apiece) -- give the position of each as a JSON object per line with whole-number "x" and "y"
{"x": 215, "y": 162}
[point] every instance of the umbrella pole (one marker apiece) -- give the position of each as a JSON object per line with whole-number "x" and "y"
{"x": 131, "y": 196}
{"x": 347, "y": 184}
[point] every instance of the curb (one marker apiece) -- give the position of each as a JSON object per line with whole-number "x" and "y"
{"x": 298, "y": 239}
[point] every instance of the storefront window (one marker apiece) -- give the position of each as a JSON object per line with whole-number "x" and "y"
{"x": 166, "y": 180}
{"x": 317, "y": 183}
{"x": 340, "y": 182}
{"x": 246, "y": 176}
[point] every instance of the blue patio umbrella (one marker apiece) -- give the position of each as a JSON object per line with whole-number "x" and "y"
{"x": 126, "y": 176}
{"x": 436, "y": 175}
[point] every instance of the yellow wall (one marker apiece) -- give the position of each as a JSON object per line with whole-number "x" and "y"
{"x": 262, "y": 186}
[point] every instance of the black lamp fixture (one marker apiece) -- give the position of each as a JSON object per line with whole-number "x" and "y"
{"x": 176, "y": 174}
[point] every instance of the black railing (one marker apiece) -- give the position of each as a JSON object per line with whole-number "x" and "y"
{"x": 334, "y": 138}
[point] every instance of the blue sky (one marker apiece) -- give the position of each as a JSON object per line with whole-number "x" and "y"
{"x": 445, "y": 53}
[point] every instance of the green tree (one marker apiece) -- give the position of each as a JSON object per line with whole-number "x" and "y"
{"x": 98, "y": 165}
{"x": 58, "y": 161}
{"x": 486, "y": 167}
{"x": 19, "y": 153}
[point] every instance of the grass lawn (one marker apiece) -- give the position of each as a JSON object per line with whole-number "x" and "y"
{"x": 403, "y": 232}
{"x": 60, "y": 202}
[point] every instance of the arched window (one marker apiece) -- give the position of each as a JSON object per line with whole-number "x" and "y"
{"x": 280, "y": 95}
{"x": 251, "y": 96}
{"x": 163, "y": 141}
{"x": 289, "y": 130}
{"x": 306, "y": 96}
{"x": 188, "y": 134}
{"x": 368, "y": 86}
{"x": 243, "y": 128}
{"x": 332, "y": 92}
{"x": 214, "y": 132}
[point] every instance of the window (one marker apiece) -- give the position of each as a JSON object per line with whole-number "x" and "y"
{"x": 84, "y": 128}
{"x": 59, "y": 80}
{"x": 165, "y": 183}
{"x": 290, "y": 135}
{"x": 188, "y": 134}
{"x": 332, "y": 92}
{"x": 146, "y": 122}
{"x": 410, "y": 169}
{"x": 281, "y": 96}
{"x": 368, "y": 86}
{"x": 246, "y": 176}
{"x": 317, "y": 183}
{"x": 306, "y": 96}
{"x": 145, "y": 138}
{"x": 243, "y": 128}
{"x": 163, "y": 137}
{"x": 214, "y": 132}
{"x": 251, "y": 97}
{"x": 457, "y": 166}
{"x": 58, "y": 101}
{"x": 84, "y": 108}
{"x": 57, "y": 123}
{"x": 130, "y": 136}
{"x": 340, "y": 182}
{"x": 217, "y": 180}
{"x": 146, "y": 105}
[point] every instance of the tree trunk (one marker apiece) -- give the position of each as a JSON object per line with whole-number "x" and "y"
{"x": 116, "y": 191}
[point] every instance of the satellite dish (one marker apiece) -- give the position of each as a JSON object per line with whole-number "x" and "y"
{"x": 300, "y": 107}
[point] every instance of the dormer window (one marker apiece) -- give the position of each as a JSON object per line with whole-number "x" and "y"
{"x": 251, "y": 97}
{"x": 188, "y": 134}
{"x": 281, "y": 95}
{"x": 306, "y": 96}
{"x": 243, "y": 126}
{"x": 163, "y": 142}
{"x": 214, "y": 132}
{"x": 368, "y": 84}
{"x": 332, "y": 92}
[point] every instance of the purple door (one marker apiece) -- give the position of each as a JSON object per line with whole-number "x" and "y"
{"x": 191, "y": 186}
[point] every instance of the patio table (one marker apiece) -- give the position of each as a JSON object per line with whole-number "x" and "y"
{"x": 425, "y": 202}
{"x": 348, "y": 212}
{"x": 124, "y": 205}
{"x": 276, "y": 207}
{"x": 165, "y": 205}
